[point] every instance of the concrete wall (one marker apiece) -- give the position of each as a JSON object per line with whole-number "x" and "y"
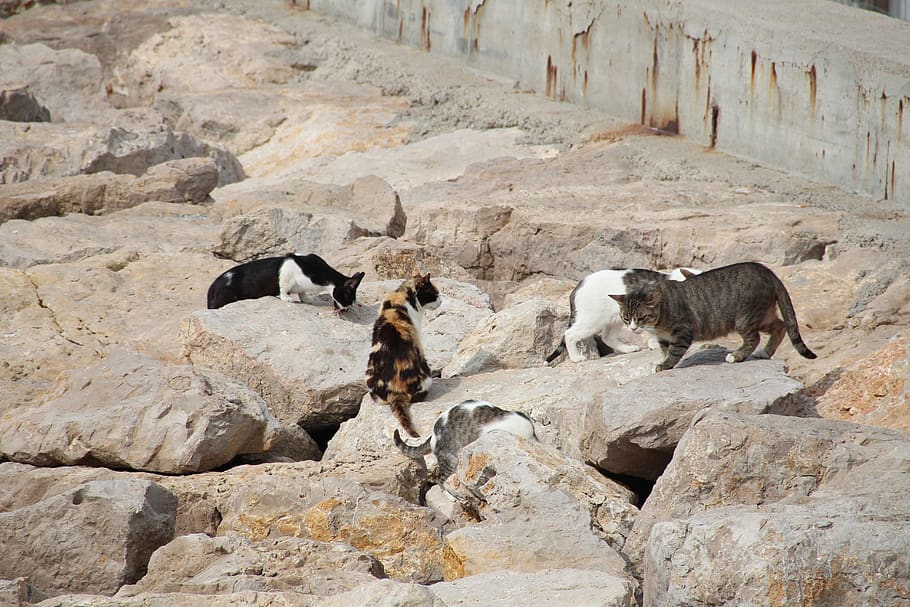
{"x": 810, "y": 87}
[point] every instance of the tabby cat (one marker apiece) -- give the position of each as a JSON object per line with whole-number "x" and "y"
{"x": 397, "y": 370}
{"x": 742, "y": 298}
{"x": 460, "y": 425}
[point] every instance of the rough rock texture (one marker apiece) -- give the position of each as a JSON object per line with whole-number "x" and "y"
{"x": 132, "y": 411}
{"x": 119, "y": 522}
{"x": 188, "y": 180}
{"x": 386, "y": 593}
{"x": 18, "y": 104}
{"x": 576, "y": 587}
{"x": 518, "y": 337}
{"x": 400, "y": 535}
{"x": 633, "y": 429}
{"x": 199, "y": 564}
{"x": 784, "y": 520}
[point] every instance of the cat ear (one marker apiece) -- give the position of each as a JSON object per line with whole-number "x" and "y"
{"x": 686, "y": 272}
{"x": 415, "y": 273}
{"x": 619, "y": 298}
{"x": 354, "y": 281}
{"x": 427, "y": 277}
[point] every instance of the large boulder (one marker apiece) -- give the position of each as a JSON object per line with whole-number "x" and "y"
{"x": 562, "y": 586}
{"x": 199, "y": 564}
{"x": 517, "y": 337}
{"x": 770, "y": 508}
{"x": 132, "y": 411}
{"x": 124, "y": 141}
{"x": 66, "y": 82}
{"x": 405, "y": 538}
{"x": 117, "y": 524}
{"x": 18, "y": 104}
{"x": 634, "y": 428}
{"x": 188, "y": 180}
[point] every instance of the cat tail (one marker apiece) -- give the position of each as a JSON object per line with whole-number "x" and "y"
{"x": 559, "y": 350}
{"x": 400, "y": 404}
{"x": 414, "y": 452}
{"x": 786, "y": 309}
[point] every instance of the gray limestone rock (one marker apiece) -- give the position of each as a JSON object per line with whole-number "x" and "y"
{"x": 132, "y": 411}
{"x": 92, "y": 539}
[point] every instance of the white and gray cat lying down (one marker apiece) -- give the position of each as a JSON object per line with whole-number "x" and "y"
{"x": 461, "y": 425}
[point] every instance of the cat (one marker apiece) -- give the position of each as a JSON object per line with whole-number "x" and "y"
{"x": 742, "y": 297}
{"x": 460, "y": 425}
{"x": 397, "y": 370}
{"x": 591, "y": 311}
{"x": 283, "y": 277}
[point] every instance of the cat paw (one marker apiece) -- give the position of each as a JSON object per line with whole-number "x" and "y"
{"x": 761, "y": 354}
{"x": 662, "y": 367}
{"x": 732, "y": 358}
{"x": 287, "y": 297}
{"x": 626, "y": 348}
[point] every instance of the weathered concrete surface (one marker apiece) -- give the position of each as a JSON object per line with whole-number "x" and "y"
{"x": 752, "y": 80}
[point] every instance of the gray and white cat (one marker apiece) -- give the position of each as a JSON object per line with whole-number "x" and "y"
{"x": 593, "y": 312}
{"x": 742, "y": 298}
{"x": 460, "y": 425}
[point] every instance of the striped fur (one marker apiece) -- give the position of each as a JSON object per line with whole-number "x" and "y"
{"x": 397, "y": 370}
{"x": 742, "y": 298}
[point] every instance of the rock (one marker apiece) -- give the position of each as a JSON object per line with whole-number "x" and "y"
{"x": 386, "y": 593}
{"x": 633, "y": 429}
{"x": 873, "y": 391}
{"x": 232, "y": 52}
{"x": 576, "y": 587}
{"x": 198, "y": 564}
{"x": 132, "y": 411}
{"x": 777, "y": 555}
{"x": 403, "y": 537}
{"x": 507, "y": 219}
{"x": 240, "y": 340}
{"x": 18, "y": 104}
{"x": 146, "y": 229}
{"x": 119, "y": 523}
{"x": 67, "y": 83}
{"x": 305, "y": 216}
{"x": 527, "y": 546}
{"x": 518, "y": 337}
{"x": 189, "y": 180}
{"x": 760, "y": 475}
{"x": 501, "y": 477}
{"x": 18, "y": 592}
{"x": 177, "y": 599}
{"x": 383, "y": 258}
{"x": 127, "y": 142}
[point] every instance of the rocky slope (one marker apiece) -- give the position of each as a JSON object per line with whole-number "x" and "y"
{"x": 155, "y": 452}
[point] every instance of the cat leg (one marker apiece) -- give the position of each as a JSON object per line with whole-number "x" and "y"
{"x": 610, "y": 336}
{"x": 750, "y": 342}
{"x": 653, "y": 341}
{"x": 573, "y": 336}
{"x": 777, "y": 329}
{"x": 674, "y": 352}
{"x": 447, "y": 465}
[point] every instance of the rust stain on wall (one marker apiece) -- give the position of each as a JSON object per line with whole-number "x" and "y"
{"x": 813, "y": 90}
{"x": 551, "y": 77}
{"x": 752, "y": 81}
{"x": 900, "y": 119}
{"x": 425, "y": 28}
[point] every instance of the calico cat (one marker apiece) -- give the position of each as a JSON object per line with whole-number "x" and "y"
{"x": 593, "y": 312}
{"x": 462, "y": 424}
{"x": 283, "y": 277}
{"x": 742, "y": 297}
{"x": 397, "y": 370}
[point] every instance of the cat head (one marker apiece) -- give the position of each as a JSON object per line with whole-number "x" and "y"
{"x": 345, "y": 294}
{"x": 640, "y": 309}
{"x": 425, "y": 292}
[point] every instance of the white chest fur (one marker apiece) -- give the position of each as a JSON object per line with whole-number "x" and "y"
{"x": 291, "y": 280}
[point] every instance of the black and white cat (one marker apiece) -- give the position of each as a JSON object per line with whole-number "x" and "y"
{"x": 460, "y": 425}
{"x": 284, "y": 277}
{"x": 594, "y": 313}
